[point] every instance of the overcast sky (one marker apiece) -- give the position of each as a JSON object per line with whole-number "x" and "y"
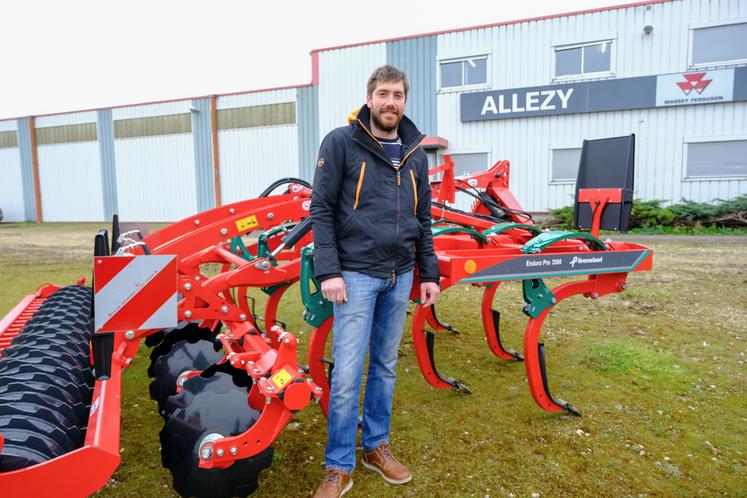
{"x": 71, "y": 55}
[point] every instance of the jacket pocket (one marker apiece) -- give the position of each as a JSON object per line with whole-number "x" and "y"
{"x": 361, "y": 175}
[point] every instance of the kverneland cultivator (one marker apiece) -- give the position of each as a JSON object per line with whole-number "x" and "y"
{"x": 226, "y": 378}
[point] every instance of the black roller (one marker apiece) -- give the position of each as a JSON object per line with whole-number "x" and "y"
{"x": 64, "y": 393}
{"x": 15, "y": 371}
{"x": 46, "y": 382}
{"x": 210, "y": 406}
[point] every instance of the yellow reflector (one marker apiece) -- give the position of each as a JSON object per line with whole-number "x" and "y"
{"x": 470, "y": 267}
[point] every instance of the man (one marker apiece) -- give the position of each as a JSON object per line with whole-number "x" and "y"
{"x": 372, "y": 225}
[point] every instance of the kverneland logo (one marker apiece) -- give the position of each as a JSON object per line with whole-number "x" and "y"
{"x": 693, "y": 81}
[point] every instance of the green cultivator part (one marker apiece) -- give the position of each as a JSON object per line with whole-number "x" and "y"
{"x": 226, "y": 376}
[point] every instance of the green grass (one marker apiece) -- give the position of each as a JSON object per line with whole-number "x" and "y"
{"x": 658, "y": 372}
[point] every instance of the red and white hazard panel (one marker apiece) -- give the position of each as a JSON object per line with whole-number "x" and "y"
{"x": 134, "y": 293}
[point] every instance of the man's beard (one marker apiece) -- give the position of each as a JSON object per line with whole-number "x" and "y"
{"x": 381, "y": 126}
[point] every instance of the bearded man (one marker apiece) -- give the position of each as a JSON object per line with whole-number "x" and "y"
{"x": 371, "y": 213}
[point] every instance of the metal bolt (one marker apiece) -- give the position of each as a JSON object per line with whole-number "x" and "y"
{"x": 287, "y": 341}
{"x": 128, "y": 361}
{"x": 269, "y": 389}
{"x": 553, "y": 300}
{"x": 223, "y": 231}
{"x": 250, "y": 363}
{"x": 270, "y": 216}
{"x": 232, "y": 210}
{"x": 197, "y": 222}
{"x": 256, "y": 370}
{"x": 268, "y": 400}
{"x": 224, "y": 309}
{"x": 98, "y": 261}
{"x": 624, "y": 285}
{"x": 220, "y": 452}
{"x": 242, "y": 316}
{"x": 130, "y": 335}
{"x": 187, "y": 314}
{"x": 197, "y": 278}
{"x": 595, "y": 295}
{"x": 187, "y": 286}
{"x": 318, "y": 389}
{"x": 300, "y": 371}
{"x": 234, "y": 450}
{"x": 206, "y": 453}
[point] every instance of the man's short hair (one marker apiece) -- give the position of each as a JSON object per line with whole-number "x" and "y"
{"x": 386, "y": 73}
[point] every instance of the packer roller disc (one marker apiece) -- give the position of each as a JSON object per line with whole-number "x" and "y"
{"x": 215, "y": 407}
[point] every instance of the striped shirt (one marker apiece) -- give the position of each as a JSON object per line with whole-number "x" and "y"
{"x": 393, "y": 149}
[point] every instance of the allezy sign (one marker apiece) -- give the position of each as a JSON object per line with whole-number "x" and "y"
{"x": 538, "y": 101}
{"x": 698, "y": 87}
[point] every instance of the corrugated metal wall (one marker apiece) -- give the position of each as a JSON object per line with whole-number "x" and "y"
{"x": 11, "y": 181}
{"x": 521, "y": 56}
{"x": 417, "y": 58}
{"x": 105, "y": 135}
{"x": 67, "y": 149}
{"x": 307, "y": 105}
{"x": 155, "y": 171}
{"x": 343, "y": 74}
{"x": 258, "y": 141}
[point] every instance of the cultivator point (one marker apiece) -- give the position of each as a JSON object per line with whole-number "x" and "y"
{"x": 226, "y": 377}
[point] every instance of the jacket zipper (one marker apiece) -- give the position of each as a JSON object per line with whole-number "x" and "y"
{"x": 360, "y": 184}
{"x": 396, "y": 232}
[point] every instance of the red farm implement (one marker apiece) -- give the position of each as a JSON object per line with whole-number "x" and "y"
{"x": 226, "y": 378}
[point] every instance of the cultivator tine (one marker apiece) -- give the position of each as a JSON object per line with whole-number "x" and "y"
{"x": 330, "y": 366}
{"x": 491, "y": 320}
{"x": 496, "y": 319}
{"x": 430, "y": 339}
{"x": 437, "y": 324}
{"x": 543, "y": 371}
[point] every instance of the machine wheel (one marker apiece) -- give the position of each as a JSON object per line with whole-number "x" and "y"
{"x": 46, "y": 382}
{"x": 191, "y": 352}
{"x": 217, "y": 404}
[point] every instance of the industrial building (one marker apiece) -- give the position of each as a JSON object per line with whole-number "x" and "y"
{"x": 674, "y": 72}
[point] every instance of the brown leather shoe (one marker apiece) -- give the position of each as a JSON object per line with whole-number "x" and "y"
{"x": 335, "y": 484}
{"x": 382, "y": 461}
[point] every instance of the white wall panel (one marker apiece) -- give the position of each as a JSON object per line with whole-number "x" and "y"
{"x": 11, "y": 186}
{"x": 343, "y": 74}
{"x": 150, "y": 110}
{"x": 66, "y": 119}
{"x": 156, "y": 178}
{"x": 257, "y": 98}
{"x": 70, "y": 182}
{"x": 252, "y": 158}
{"x": 8, "y": 125}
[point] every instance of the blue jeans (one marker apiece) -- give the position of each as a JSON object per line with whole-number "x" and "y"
{"x": 372, "y": 319}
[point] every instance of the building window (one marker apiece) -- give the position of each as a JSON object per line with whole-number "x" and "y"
{"x": 564, "y": 165}
{"x": 593, "y": 58}
{"x": 725, "y": 44}
{"x": 464, "y": 72}
{"x": 716, "y": 159}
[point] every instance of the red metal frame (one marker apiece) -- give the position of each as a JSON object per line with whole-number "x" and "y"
{"x": 270, "y": 357}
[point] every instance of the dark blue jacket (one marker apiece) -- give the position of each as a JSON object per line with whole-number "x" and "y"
{"x": 369, "y": 216}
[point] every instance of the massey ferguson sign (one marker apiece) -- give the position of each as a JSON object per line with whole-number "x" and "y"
{"x": 702, "y": 87}
{"x": 699, "y": 87}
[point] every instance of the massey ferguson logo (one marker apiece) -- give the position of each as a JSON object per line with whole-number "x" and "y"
{"x": 693, "y": 81}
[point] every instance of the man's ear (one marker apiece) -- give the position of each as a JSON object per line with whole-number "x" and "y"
{"x": 368, "y": 101}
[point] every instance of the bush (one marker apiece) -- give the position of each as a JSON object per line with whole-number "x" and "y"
{"x": 683, "y": 216}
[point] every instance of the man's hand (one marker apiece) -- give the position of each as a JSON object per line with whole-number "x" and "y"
{"x": 333, "y": 289}
{"x": 429, "y": 292}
